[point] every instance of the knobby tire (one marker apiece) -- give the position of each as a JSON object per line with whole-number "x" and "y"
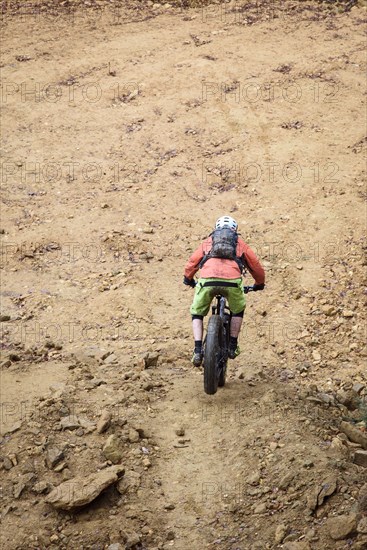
{"x": 212, "y": 355}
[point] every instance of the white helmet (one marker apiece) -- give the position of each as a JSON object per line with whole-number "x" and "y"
{"x": 226, "y": 221}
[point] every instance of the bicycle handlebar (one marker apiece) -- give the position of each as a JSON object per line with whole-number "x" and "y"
{"x": 247, "y": 289}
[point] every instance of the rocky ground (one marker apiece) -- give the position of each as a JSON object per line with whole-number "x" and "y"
{"x": 127, "y": 130}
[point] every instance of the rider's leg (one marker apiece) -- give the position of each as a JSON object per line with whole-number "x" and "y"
{"x": 236, "y": 323}
{"x": 197, "y": 328}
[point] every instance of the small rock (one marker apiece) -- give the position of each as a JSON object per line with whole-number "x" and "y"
{"x": 114, "y": 546}
{"x": 171, "y": 535}
{"x": 132, "y": 540}
{"x": 146, "y": 463}
{"x": 57, "y": 386}
{"x": 41, "y": 487}
{"x": 360, "y": 458}
{"x": 4, "y": 318}
{"x": 86, "y": 424}
{"x": 111, "y": 449}
{"x": 362, "y": 526}
{"x": 140, "y": 429}
{"x": 110, "y": 359}
{"x": 70, "y": 422}
{"x": 24, "y": 482}
{"x": 362, "y": 499}
{"x": 254, "y": 478}
{"x": 357, "y": 388}
{"x": 150, "y": 360}
{"x": 104, "y": 421}
{"x": 347, "y": 313}
{"x": 296, "y": 546}
{"x": 341, "y": 527}
{"x": 130, "y": 483}
{"x": 169, "y": 506}
{"x": 180, "y": 432}
{"x": 133, "y": 436}
{"x": 280, "y": 533}
{"x": 54, "y": 455}
{"x": 60, "y": 467}
{"x": 329, "y": 310}
{"x": 338, "y": 448}
{"x": 66, "y": 474}
{"x": 354, "y": 434}
{"x": 7, "y": 463}
{"x": 316, "y": 355}
{"x": 286, "y": 480}
{"x": 96, "y": 382}
{"x": 260, "y": 508}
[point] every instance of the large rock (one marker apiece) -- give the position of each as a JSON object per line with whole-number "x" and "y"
{"x": 341, "y": 527}
{"x": 79, "y": 491}
{"x": 112, "y": 449}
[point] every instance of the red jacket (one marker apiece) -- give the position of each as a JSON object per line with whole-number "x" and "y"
{"x": 221, "y": 268}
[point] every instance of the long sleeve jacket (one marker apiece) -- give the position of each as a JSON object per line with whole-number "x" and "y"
{"x": 223, "y": 268}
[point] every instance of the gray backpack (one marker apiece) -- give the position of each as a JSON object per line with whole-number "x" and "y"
{"x": 224, "y": 245}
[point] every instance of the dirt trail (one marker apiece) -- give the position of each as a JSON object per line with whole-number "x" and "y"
{"x": 200, "y": 438}
{"x": 127, "y": 130}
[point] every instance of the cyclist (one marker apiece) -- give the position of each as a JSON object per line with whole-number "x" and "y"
{"x": 221, "y": 259}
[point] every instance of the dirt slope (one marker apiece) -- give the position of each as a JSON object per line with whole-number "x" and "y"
{"x": 126, "y": 131}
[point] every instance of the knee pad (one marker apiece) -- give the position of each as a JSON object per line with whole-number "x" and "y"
{"x": 201, "y": 317}
{"x": 240, "y": 314}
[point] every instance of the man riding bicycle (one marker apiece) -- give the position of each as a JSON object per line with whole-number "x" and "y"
{"x": 221, "y": 258}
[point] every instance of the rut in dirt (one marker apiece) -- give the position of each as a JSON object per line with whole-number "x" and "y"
{"x": 202, "y": 464}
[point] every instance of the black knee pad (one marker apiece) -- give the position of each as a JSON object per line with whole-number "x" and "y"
{"x": 201, "y": 317}
{"x": 240, "y": 314}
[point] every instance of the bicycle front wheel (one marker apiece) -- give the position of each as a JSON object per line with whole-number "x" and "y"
{"x": 212, "y": 354}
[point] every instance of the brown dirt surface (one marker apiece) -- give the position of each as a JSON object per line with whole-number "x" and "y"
{"x": 127, "y": 129}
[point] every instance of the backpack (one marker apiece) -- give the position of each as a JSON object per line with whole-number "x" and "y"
{"x": 224, "y": 245}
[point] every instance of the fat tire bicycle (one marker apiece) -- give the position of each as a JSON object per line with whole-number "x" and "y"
{"x": 216, "y": 343}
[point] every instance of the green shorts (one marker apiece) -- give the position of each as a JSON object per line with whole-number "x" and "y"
{"x": 205, "y": 294}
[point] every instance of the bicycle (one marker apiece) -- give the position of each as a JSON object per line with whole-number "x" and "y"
{"x": 215, "y": 345}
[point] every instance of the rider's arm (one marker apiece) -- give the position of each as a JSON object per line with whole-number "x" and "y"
{"x": 192, "y": 265}
{"x": 254, "y": 266}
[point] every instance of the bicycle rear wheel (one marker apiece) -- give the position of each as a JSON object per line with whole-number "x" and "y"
{"x": 212, "y": 354}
